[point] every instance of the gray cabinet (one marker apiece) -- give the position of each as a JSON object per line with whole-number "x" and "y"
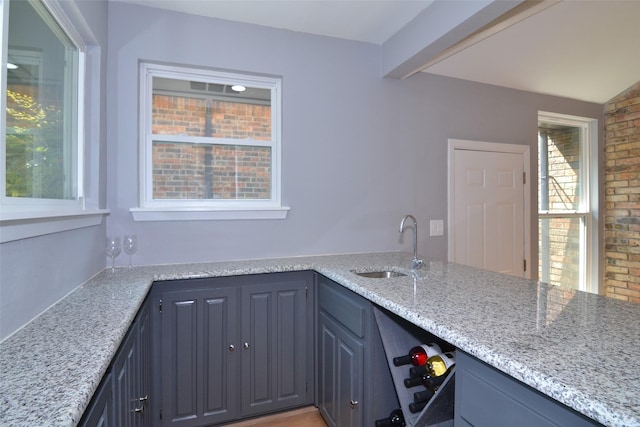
{"x": 354, "y": 385}
{"x": 487, "y": 397}
{"x": 100, "y": 411}
{"x": 231, "y": 347}
{"x": 123, "y": 396}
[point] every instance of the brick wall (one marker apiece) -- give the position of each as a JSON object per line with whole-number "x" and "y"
{"x": 203, "y": 171}
{"x": 622, "y": 196}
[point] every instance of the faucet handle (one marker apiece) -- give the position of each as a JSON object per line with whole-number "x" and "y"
{"x": 417, "y": 263}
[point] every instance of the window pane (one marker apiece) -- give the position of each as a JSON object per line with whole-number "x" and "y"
{"x": 559, "y": 168}
{"x": 41, "y": 107}
{"x": 191, "y": 108}
{"x": 559, "y": 251}
{"x": 207, "y": 171}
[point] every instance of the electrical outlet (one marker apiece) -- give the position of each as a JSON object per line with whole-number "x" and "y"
{"x": 436, "y": 227}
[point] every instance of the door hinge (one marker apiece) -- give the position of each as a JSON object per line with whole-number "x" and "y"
{"x": 306, "y": 292}
{"x": 524, "y": 264}
{"x": 161, "y": 414}
{"x": 524, "y": 177}
{"x": 160, "y": 306}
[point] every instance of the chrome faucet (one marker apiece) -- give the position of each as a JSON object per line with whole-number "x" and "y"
{"x": 417, "y": 263}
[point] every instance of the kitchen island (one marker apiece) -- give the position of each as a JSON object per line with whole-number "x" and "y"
{"x": 577, "y": 348}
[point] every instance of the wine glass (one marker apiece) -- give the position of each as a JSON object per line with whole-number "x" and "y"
{"x": 130, "y": 244}
{"x": 113, "y": 250}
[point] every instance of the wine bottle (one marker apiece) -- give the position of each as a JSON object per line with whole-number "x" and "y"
{"x": 417, "y": 371}
{"x": 426, "y": 380}
{"x": 440, "y": 364}
{"x": 395, "y": 419}
{"x": 423, "y": 396}
{"x": 418, "y": 355}
{"x": 417, "y": 407}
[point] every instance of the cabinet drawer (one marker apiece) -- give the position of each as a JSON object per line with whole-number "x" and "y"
{"x": 342, "y": 305}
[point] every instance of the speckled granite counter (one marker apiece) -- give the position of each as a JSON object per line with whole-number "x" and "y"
{"x": 580, "y": 349}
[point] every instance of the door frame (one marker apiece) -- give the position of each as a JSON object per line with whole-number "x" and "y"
{"x": 470, "y": 145}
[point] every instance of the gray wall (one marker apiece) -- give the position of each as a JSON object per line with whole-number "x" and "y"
{"x": 36, "y": 272}
{"x": 359, "y": 151}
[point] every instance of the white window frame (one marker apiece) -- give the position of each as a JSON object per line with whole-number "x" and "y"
{"x": 151, "y": 209}
{"x": 588, "y": 209}
{"x": 22, "y": 218}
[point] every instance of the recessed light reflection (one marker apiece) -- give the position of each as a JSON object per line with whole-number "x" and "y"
{"x": 11, "y": 66}
{"x": 238, "y": 88}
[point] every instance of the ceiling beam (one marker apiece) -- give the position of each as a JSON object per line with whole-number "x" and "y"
{"x": 439, "y": 27}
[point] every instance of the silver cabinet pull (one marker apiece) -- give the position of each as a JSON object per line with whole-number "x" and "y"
{"x": 246, "y": 345}
{"x": 353, "y": 404}
{"x": 143, "y": 399}
{"x": 232, "y": 347}
{"x": 139, "y": 410}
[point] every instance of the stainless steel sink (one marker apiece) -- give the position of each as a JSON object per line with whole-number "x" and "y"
{"x": 385, "y": 274}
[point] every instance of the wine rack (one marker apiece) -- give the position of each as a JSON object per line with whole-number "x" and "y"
{"x": 398, "y": 336}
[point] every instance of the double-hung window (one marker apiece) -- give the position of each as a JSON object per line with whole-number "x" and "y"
{"x": 209, "y": 145}
{"x": 567, "y": 201}
{"x": 43, "y": 70}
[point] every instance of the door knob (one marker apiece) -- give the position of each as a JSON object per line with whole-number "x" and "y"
{"x": 246, "y": 345}
{"x": 353, "y": 404}
{"x": 232, "y": 347}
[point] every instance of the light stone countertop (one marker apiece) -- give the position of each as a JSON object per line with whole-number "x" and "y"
{"x": 578, "y": 348}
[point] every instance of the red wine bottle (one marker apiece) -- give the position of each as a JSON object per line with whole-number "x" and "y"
{"x": 418, "y": 355}
{"x": 395, "y": 419}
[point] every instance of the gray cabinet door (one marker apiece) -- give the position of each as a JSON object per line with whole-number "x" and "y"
{"x": 487, "y": 397}
{"x": 274, "y": 345}
{"x": 100, "y": 413}
{"x": 340, "y": 373}
{"x": 144, "y": 373}
{"x": 199, "y": 362}
{"x": 123, "y": 396}
{"x": 126, "y": 383}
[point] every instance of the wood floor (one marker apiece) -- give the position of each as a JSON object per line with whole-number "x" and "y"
{"x": 304, "y": 417}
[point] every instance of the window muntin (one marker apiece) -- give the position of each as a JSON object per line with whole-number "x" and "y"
{"x": 41, "y": 144}
{"x": 206, "y": 145}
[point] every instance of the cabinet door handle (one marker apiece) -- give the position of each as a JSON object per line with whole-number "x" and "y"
{"x": 139, "y": 410}
{"x": 232, "y": 347}
{"x": 246, "y": 345}
{"x": 353, "y": 404}
{"x": 143, "y": 399}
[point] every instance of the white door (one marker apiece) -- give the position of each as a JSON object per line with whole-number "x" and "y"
{"x": 487, "y": 206}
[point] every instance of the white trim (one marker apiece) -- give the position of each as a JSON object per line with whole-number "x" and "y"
{"x": 30, "y": 217}
{"x": 150, "y": 209}
{"x": 192, "y": 214}
{"x": 31, "y": 224}
{"x": 524, "y": 151}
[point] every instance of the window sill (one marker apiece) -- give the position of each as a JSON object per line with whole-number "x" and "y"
{"x": 22, "y": 225}
{"x": 195, "y": 214}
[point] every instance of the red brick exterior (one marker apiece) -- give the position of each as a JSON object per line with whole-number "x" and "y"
{"x": 622, "y": 196}
{"x": 203, "y": 171}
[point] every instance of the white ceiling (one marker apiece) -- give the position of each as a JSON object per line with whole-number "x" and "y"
{"x": 581, "y": 49}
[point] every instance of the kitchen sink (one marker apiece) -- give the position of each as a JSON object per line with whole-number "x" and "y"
{"x": 384, "y": 274}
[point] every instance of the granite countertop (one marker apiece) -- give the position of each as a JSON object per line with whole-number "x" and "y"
{"x": 578, "y": 348}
